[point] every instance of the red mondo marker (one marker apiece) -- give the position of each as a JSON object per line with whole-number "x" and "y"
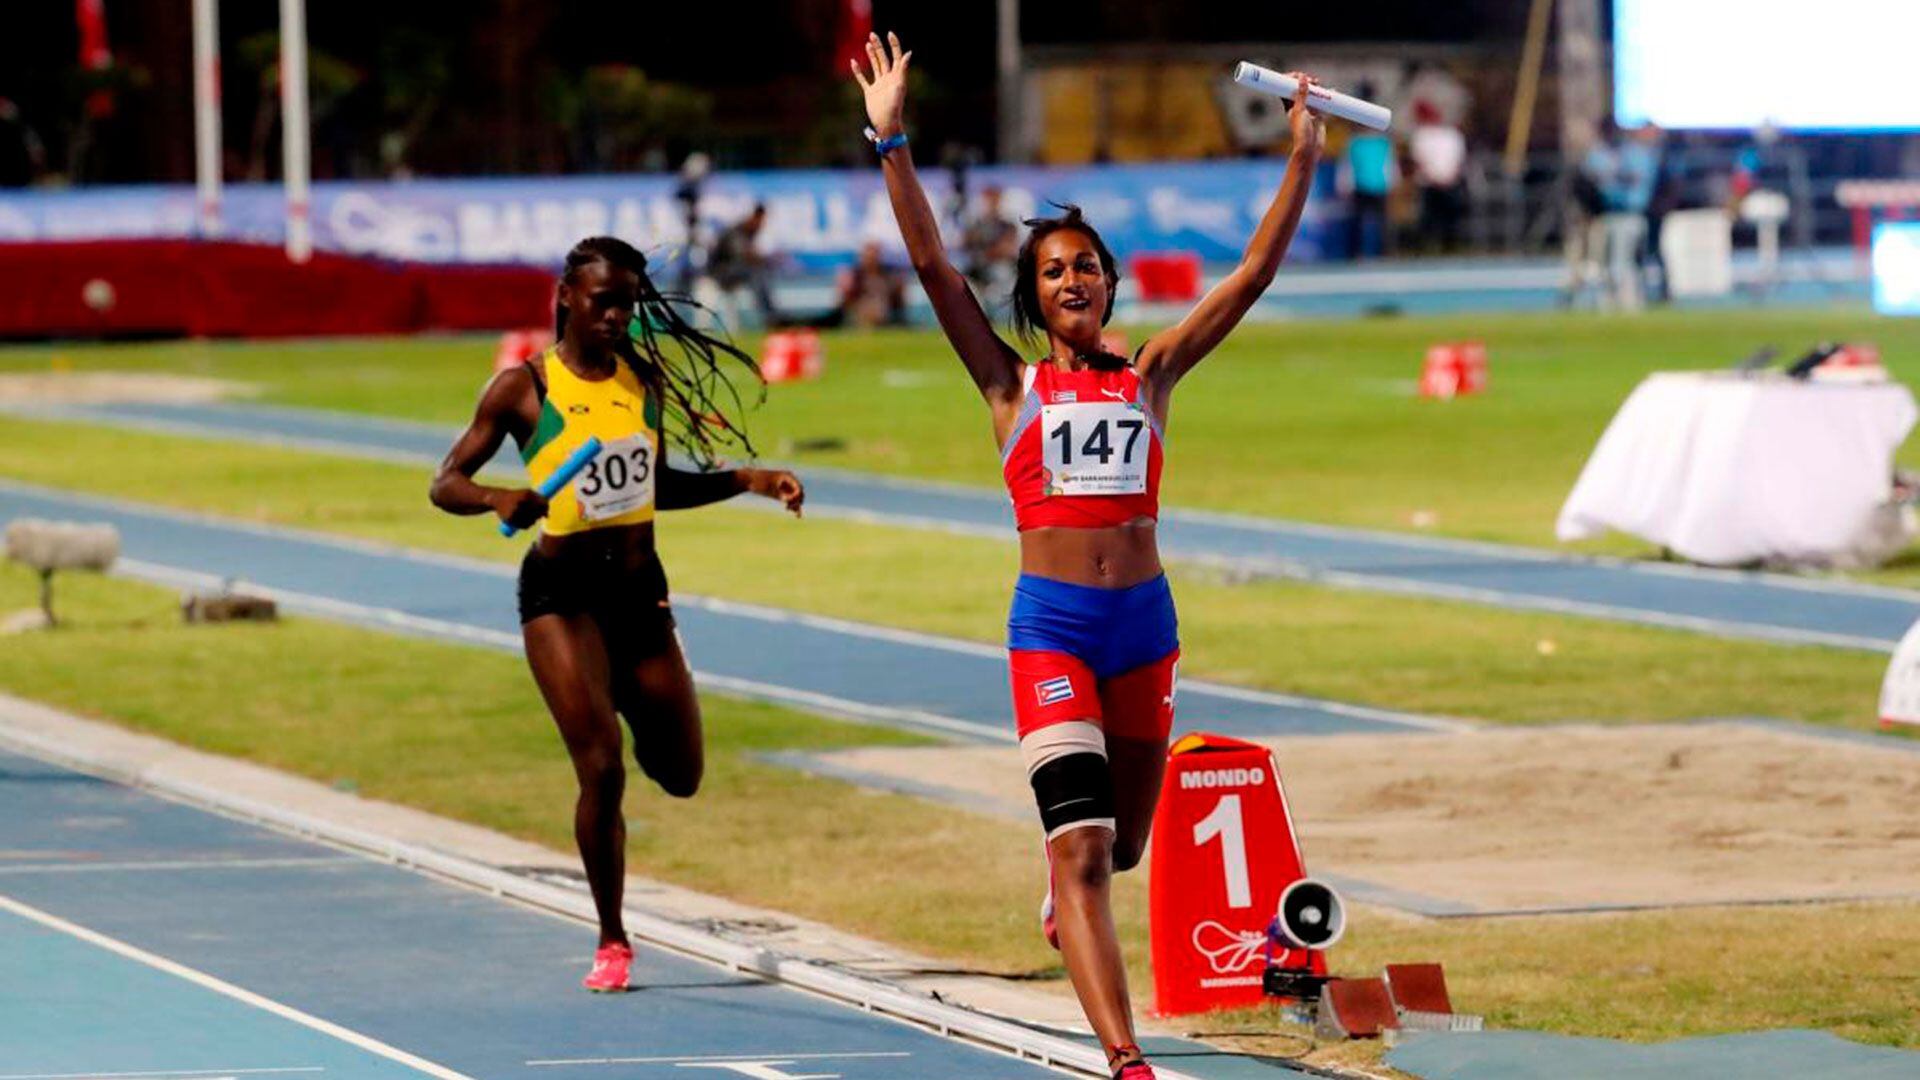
{"x": 1224, "y": 852}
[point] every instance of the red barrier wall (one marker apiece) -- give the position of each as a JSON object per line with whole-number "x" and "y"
{"x": 184, "y": 287}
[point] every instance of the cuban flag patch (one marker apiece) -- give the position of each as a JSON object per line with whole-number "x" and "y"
{"x": 1054, "y": 691}
{"x": 1061, "y": 396}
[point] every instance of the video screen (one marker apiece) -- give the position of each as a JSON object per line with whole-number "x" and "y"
{"x": 1842, "y": 65}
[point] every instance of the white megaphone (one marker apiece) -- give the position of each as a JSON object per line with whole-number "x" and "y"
{"x": 1311, "y": 915}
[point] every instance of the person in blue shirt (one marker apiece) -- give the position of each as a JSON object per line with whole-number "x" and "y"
{"x": 1368, "y": 171}
{"x": 1624, "y": 171}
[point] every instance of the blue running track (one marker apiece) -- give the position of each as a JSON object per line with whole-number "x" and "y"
{"x": 142, "y": 937}
{"x": 1727, "y": 603}
{"x": 954, "y": 688}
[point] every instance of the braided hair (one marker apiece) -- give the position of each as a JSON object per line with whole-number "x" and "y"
{"x": 681, "y": 363}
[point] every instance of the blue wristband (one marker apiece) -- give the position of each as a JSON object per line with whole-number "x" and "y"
{"x": 892, "y": 142}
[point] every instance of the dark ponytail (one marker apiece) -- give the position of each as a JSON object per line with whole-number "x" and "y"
{"x": 1025, "y": 300}
{"x": 680, "y": 363}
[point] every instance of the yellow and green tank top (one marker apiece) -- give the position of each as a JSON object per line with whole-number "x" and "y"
{"x": 617, "y": 487}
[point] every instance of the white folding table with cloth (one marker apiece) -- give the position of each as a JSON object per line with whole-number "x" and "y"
{"x": 1727, "y": 469}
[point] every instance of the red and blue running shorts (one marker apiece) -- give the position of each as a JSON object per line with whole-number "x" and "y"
{"x": 1081, "y": 653}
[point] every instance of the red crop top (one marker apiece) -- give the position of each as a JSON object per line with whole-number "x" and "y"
{"x": 1084, "y": 452}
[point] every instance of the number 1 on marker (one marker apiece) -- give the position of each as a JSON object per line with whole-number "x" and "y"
{"x": 1225, "y": 822}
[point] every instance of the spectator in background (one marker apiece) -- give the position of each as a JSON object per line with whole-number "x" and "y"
{"x": 1664, "y": 196}
{"x": 1367, "y": 175}
{"x": 1762, "y": 177}
{"x": 693, "y": 174}
{"x": 1439, "y": 153}
{"x": 871, "y": 293}
{"x": 988, "y": 245}
{"x": 22, "y": 157}
{"x": 1583, "y": 236}
{"x": 737, "y": 262}
{"x": 1623, "y": 171}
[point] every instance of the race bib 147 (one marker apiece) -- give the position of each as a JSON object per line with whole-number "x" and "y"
{"x": 1095, "y": 448}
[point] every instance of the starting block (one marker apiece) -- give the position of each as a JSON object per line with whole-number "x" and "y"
{"x": 1410, "y": 997}
{"x": 1454, "y": 369}
{"x": 1355, "y": 1009}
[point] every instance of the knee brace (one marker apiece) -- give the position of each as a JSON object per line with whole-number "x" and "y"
{"x": 1074, "y": 791}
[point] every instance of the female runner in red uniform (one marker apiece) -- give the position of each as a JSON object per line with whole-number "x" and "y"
{"x": 1092, "y": 633}
{"x": 593, "y": 598}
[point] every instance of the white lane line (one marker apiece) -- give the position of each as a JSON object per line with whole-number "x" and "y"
{"x": 1405, "y": 585}
{"x": 327, "y": 607}
{"x": 1415, "y": 544}
{"x": 1278, "y": 567}
{"x": 1647, "y": 616}
{"x": 312, "y": 444}
{"x": 400, "y": 621}
{"x": 290, "y": 862}
{"x": 202, "y": 519}
{"x": 387, "y": 618}
{"x": 181, "y": 1073}
{"x": 221, "y": 986}
{"x": 997, "y": 653}
{"x": 715, "y": 1057}
{"x": 930, "y": 1015}
{"x": 209, "y": 1073}
{"x": 1360, "y": 712}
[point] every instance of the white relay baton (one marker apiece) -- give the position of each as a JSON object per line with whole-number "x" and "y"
{"x": 1321, "y": 99}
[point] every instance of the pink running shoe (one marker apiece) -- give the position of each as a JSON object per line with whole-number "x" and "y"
{"x": 1135, "y": 1070}
{"x": 610, "y": 964}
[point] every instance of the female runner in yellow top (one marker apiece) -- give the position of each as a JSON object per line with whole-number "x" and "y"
{"x": 593, "y": 598}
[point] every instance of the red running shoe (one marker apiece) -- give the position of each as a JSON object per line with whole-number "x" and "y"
{"x": 1135, "y": 1070}
{"x": 610, "y": 964}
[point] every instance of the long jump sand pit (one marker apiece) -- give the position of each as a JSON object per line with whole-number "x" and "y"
{"x": 113, "y": 387}
{"x": 1566, "y": 817}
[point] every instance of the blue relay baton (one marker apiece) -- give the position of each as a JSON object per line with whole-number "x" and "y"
{"x": 563, "y": 475}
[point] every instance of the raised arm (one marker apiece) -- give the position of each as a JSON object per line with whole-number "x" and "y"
{"x": 1173, "y": 352}
{"x": 455, "y": 490}
{"x": 994, "y": 366}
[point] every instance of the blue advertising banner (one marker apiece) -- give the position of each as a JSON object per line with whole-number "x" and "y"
{"x": 817, "y": 218}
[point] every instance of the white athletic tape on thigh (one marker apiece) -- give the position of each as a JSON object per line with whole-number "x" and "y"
{"x": 1107, "y": 823}
{"x": 1046, "y": 744}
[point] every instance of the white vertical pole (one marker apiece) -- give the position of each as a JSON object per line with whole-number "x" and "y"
{"x": 206, "y": 112}
{"x": 1007, "y": 60}
{"x": 294, "y": 136}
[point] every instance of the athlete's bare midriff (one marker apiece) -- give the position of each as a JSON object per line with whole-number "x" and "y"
{"x": 622, "y": 547}
{"x": 1114, "y": 557}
